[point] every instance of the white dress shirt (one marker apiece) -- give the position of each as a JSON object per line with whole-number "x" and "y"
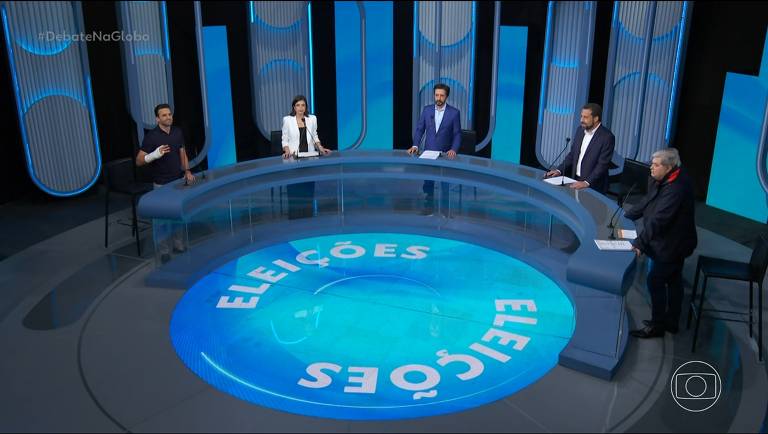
{"x": 439, "y": 117}
{"x": 584, "y": 145}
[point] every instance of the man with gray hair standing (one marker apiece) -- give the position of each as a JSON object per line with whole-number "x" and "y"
{"x": 667, "y": 236}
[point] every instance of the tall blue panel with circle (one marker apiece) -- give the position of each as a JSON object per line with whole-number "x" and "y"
{"x": 444, "y": 52}
{"x": 54, "y": 101}
{"x": 146, "y": 59}
{"x": 364, "y": 74}
{"x": 280, "y": 37}
{"x": 738, "y": 181}
{"x": 645, "y": 61}
{"x": 565, "y": 75}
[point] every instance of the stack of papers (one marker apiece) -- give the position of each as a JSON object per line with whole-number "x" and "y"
{"x": 558, "y": 180}
{"x": 615, "y": 245}
{"x": 627, "y": 234}
{"x": 430, "y": 155}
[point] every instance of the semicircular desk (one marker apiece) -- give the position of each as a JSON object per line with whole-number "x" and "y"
{"x": 237, "y": 209}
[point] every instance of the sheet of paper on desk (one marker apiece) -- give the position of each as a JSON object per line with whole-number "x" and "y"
{"x": 430, "y": 155}
{"x": 558, "y": 180}
{"x": 627, "y": 234}
{"x": 616, "y": 245}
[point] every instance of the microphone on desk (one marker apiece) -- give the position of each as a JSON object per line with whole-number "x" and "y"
{"x": 562, "y": 180}
{"x": 616, "y": 214}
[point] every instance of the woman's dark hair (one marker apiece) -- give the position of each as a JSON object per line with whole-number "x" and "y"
{"x": 296, "y": 99}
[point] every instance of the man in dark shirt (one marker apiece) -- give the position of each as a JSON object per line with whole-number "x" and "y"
{"x": 163, "y": 149}
{"x": 667, "y": 236}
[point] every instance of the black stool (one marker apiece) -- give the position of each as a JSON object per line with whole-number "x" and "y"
{"x": 120, "y": 177}
{"x": 752, "y": 272}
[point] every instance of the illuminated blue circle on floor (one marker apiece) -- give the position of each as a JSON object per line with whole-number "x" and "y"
{"x": 372, "y": 326}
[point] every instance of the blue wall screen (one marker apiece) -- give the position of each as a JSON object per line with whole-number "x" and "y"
{"x": 513, "y": 43}
{"x": 734, "y": 182}
{"x": 369, "y": 128}
{"x": 221, "y": 120}
{"x": 372, "y": 326}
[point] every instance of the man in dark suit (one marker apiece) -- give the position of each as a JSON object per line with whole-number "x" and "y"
{"x": 591, "y": 152}
{"x": 667, "y": 236}
{"x": 441, "y": 123}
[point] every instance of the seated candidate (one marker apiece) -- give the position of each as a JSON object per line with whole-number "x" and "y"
{"x": 300, "y": 130}
{"x": 590, "y": 156}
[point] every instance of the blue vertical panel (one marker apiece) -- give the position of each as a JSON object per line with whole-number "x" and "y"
{"x": 349, "y": 74}
{"x": 734, "y": 182}
{"x": 281, "y": 59}
{"x": 364, "y": 87}
{"x": 54, "y": 101}
{"x": 219, "y": 91}
{"x": 565, "y": 75}
{"x": 513, "y": 43}
{"x": 664, "y": 63}
{"x": 146, "y": 59}
{"x": 444, "y": 41}
{"x": 646, "y": 55}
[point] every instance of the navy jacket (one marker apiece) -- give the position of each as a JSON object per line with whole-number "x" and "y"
{"x": 597, "y": 160}
{"x": 449, "y": 135}
{"x": 668, "y": 230}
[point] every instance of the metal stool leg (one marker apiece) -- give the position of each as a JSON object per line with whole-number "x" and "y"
{"x": 760, "y": 320}
{"x": 106, "y": 220}
{"x": 136, "y": 225}
{"x": 698, "y": 315}
{"x": 750, "y": 308}
{"x": 692, "y": 303}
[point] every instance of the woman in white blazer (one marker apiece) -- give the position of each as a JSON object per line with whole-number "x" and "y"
{"x": 297, "y": 121}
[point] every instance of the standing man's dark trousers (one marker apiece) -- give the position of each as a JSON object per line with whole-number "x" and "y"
{"x": 665, "y": 283}
{"x": 429, "y": 189}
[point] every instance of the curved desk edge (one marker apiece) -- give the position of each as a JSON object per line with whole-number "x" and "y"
{"x": 607, "y": 271}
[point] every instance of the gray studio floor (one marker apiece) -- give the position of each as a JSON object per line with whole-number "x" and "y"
{"x": 87, "y": 348}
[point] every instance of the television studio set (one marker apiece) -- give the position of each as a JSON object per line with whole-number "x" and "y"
{"x": 384, "y": 216}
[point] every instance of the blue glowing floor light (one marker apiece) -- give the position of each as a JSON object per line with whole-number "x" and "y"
{"x": 313, "y": 324}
